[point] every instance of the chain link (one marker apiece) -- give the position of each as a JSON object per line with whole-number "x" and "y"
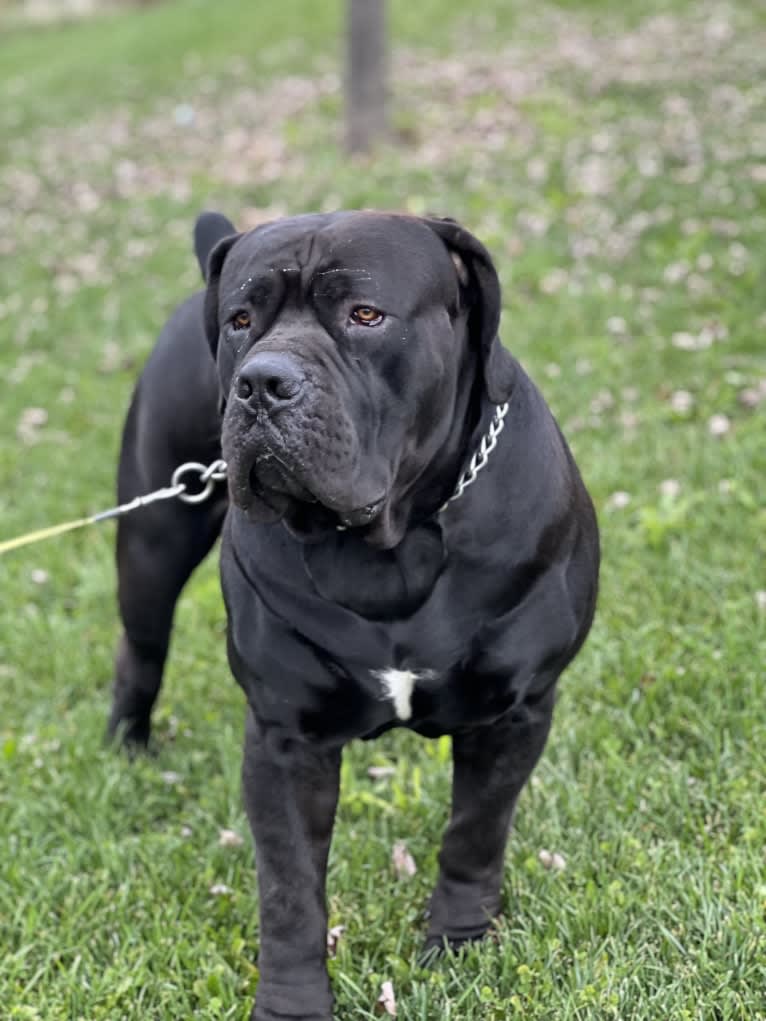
{"x": 208, "y": 476}
{"x": 480, "y": 458}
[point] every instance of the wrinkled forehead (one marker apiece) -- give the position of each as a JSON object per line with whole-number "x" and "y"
{"x": 400, "y": 251}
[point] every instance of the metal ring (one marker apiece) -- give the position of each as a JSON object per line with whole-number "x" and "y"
{"x": 200, "y": 469}
{"x": 216, "y": 471}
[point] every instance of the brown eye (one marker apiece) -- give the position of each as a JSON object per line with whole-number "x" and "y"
{"x": 241, "y": 321}
{"x": 366, "y": 315}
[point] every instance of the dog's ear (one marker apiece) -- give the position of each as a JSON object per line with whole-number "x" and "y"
{"x": 480, "y": 290}
{"x": 213, "y": 269}
{"x": 209, "y": 229}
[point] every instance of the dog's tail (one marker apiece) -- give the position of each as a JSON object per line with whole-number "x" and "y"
{"x": 208, "y": 231}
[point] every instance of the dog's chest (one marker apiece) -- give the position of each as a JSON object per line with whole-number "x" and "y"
{"x": 317, "y": 667}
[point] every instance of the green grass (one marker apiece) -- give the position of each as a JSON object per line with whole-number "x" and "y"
{"x": 563, "y": 137}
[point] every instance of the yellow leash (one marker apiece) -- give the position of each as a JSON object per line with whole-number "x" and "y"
{"x": 208, "y": 476}
{"x": 40, "y": 534}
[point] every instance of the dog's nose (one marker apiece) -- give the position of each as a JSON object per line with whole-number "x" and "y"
{"x": 269, "y": 379}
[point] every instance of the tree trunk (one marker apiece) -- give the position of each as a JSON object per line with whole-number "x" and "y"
{"x": 366, "y": 67}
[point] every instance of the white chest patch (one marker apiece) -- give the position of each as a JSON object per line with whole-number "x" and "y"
{"x": 398, "y": 685}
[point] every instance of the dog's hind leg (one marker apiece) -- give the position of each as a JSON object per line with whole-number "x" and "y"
{"x": 155, "y": 558}
{"x": 158, "y": 547}
{"x": 491, "y": 764}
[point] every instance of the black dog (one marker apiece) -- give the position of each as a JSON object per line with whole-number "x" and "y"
{"x": 408, "y": 543}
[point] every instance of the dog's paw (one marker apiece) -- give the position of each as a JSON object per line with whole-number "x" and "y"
{"x": 268, "y": 1015}
{"x": 437, "y": 945}
{"x": 277, "y": 1001}
{"x": 130, "y": 735}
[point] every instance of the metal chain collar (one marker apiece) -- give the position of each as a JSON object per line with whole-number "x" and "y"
{"x": 481, "y": 456}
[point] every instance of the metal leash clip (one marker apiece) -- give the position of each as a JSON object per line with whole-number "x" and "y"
{"x": 208, "y": 474}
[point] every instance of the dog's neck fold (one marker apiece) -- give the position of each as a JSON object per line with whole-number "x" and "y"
{"x": 421, "y": 496}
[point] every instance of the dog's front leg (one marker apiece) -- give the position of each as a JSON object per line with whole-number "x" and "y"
{"x": 291, "y": 793}
{"x": 491, "y": 764}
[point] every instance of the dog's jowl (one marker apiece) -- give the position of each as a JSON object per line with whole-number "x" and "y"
{"x": 406, "y": 542}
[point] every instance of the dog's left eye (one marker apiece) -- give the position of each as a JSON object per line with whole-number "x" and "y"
{"x": 241, "y": 321}
{"x": 366, "y": 315}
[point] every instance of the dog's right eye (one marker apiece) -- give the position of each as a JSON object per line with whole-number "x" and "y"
{"x": 241, "y": 321}
{"x": 366, "y": 315}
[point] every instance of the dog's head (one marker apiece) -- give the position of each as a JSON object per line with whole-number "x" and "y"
{"x": 348, "y": 346}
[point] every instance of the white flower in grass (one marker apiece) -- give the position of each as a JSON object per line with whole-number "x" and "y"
{"x": 675, "y": 272}
{"x": 30, "y": 423}
{"x": 752, "y": 396}
{"x": 229, "y": 838}
{"x": 618, "y": 500}
{"x": 649, "y": 166}
{"x": 617, "y": 326}
{"x": 706, "y": 336}
{"x": 553, "y": 281}
{"x": 402, "y": 860}
{"x": 704, "y": 261}
{"x": 684, "y": 341}
{"x": 681, "y": 401}
{"x": 697, "y": 284}
{"x": 333, "y": 938}
{"x": 718, "y": 425}
{"x": 220, "y": 890}
{"x": 670, "y": 488}
{"x": 760, "y": 600}
{"x": 184, "y": 114}
{"x": 552, "y": 860}
{"x": 387, "y": 1000}
{"x": 603, "y": 401}
{"x": 537, "y": 169}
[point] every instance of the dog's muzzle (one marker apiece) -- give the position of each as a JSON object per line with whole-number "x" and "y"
{"x": 292, "y": 450}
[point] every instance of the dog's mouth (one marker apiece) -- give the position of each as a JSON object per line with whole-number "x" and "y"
{"x": 305, "y": 513}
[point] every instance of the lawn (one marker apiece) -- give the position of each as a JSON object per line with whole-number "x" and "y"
{"x": 615, "y": 164}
